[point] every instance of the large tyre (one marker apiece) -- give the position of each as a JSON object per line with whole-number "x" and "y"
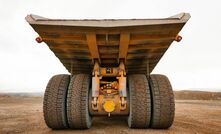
{"x": 54, "y": 104}
{"x": 140, "y": 102}
{"x": 77, "y": 102}
{"x": 163, "y": 106}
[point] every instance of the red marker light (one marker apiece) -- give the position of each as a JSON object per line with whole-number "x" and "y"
{"x": 39, "y": 39}
{"x": 178, "y": 38}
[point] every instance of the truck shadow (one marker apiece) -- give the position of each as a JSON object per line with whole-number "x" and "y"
{"x": 101, "y": 122}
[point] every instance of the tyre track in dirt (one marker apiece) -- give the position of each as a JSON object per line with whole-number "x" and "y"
{"x": 24, "y": 115}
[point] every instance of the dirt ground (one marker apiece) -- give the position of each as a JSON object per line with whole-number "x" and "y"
{"x": 24, "y": 115}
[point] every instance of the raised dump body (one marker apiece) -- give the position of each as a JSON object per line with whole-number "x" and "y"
{"x": 110, "y": 62}
{"x": 140, "y": 42}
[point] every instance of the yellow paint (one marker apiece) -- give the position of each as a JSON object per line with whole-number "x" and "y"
{"x": 109, "y": 106}
{"x": 109, "y": 91}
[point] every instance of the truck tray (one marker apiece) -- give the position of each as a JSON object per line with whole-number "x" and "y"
{"x": 140, "y": 42}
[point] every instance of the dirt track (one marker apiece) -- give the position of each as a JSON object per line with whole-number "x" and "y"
{"x": 24, "y": 115}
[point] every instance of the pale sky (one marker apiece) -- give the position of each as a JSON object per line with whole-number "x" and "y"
{"x": 194, "y": 63}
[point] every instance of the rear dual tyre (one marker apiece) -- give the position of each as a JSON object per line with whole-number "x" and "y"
{"x": 151, "y": 102}
{"x": 66, "y": 102}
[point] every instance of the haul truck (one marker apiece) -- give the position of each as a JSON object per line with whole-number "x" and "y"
{"x": 110, "y": 64}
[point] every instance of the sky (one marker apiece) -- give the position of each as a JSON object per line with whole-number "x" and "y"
{"x": 194, "y": 63}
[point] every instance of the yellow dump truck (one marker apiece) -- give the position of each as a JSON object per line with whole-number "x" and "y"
{"x": 110, "y": 64}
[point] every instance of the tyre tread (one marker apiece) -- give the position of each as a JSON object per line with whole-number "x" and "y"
{"x": 77, "y": 102}
{"x": 163, "y": 106}
{"x": 140, "y": 102}
{"x": 54, "y": 103}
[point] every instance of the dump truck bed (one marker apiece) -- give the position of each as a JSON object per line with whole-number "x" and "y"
{"x": 140, "y": 42}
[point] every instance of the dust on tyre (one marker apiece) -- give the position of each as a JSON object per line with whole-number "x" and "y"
{"x": 54, "y": 103}
{"x": 140, "y": 102}
{"x": 77, "y": 102}
{"x": 163, "y": 106}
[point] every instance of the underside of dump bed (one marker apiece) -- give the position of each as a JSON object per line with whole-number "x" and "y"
{"x": 139, "y": 42}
